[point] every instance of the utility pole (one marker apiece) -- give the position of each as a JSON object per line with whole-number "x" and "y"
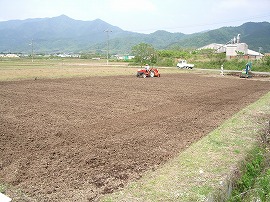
{"x": 260, "y": 49}
{"x": 32, "y": 50}
{"x": 108, "y": 38}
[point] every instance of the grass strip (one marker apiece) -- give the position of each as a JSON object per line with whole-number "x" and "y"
{"x": 254, "y": 183}
{"x": 207, "y": 169}
{"x": 251, "y": 171}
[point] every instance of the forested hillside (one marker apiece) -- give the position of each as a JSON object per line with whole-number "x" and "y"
{"x": 254, "y": 34}
{"x": 64, "y": 34}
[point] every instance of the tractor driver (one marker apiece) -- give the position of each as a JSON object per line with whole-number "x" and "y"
{"x": 147, "y": 68}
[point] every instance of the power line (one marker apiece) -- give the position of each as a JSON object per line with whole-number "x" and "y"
{"x": 229, "y": 21}
{"x": 208, "y": 24}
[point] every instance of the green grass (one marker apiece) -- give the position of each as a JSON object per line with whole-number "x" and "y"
{"x": 205, "y": 170}
{"x": 262, "y": 186}
{"x": 251, "y": 171}
{"x": 254, "y": 182}
{"x": 233, "y": 65}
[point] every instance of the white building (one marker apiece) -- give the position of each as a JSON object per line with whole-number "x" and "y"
{"x": 255, "y": 54}
{"x": 234, "y": 49}
{"x": 220, "y": 48}
{"x": 9, "y": 55}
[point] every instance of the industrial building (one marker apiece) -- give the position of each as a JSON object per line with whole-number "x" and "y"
{"x": 234, "y": 48}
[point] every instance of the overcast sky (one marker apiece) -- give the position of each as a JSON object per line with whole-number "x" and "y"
{"x": 145, "y": 16}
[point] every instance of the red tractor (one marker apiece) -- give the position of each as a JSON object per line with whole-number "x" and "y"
{"x": 152, "y": 72}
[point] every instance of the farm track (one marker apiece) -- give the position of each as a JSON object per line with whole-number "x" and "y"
{"x": 77, "y": 139}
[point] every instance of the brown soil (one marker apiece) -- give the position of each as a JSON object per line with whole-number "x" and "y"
{"x": 77, "y": 139}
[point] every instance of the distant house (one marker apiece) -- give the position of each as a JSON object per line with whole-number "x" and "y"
{"x": 9, "y": 55}
{"x": 124, "y": 57}
{"x": 67, "y": 55}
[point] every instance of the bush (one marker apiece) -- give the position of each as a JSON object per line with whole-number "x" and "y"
{"x": 250, "y": 173}
{"x": 166, "y": 62}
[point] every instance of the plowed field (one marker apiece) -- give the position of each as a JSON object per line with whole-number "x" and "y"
{"x": 77, "y": 139}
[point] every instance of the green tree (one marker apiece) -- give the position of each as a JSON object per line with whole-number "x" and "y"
{"x": 144, "y": 53}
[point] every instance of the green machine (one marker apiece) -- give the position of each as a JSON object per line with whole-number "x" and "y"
{"x": 246, "y": 73}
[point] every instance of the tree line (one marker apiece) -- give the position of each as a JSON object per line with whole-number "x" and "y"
{"x": 206, "y": 58}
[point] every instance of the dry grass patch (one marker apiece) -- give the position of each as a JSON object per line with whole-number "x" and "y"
{"x": 21, "y": 69}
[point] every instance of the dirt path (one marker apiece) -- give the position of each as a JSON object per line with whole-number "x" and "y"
{"x": 76, "y": 139}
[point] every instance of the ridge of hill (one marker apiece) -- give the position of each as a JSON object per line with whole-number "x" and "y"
{"x": 64, "y": 34}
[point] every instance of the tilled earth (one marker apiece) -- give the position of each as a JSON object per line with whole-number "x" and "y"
{"x": 78, "y": 139}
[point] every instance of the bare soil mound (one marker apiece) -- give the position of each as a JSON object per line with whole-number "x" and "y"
{"x": 77, "y": 139}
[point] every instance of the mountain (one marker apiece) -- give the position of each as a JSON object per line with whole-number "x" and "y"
{"x": 159, "y": 39}
{"x": 52, "y": 34}
{"x": 254, "y": 34}
{"x": 64, "y": 34}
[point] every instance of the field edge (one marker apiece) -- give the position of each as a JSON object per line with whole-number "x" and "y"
{"x": 192, "y": 176}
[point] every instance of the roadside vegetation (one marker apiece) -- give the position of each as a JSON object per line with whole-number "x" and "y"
{"x": 254, "y": 184}
{"x": 146, "y": 54}
{"x": 205, "y": 59}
